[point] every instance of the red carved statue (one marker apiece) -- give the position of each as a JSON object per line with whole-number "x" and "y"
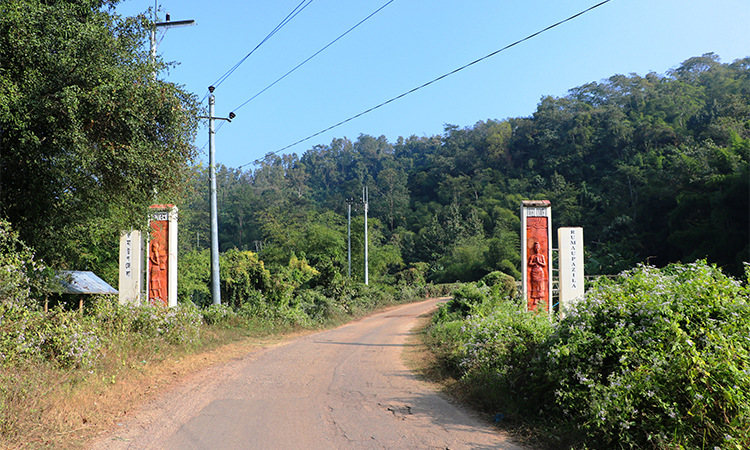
{"x": 157, "y": 274}
{"x": 537, "y": 278}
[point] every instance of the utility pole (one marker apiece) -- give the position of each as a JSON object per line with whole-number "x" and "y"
{"x": 349, "y": 202}
{"x": 366, "y": 200}
{"x": 215, "y": 291}
{"x": 166, "y": 24}
{"x": 136, "y": 234}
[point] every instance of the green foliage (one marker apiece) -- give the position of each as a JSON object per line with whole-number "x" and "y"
{"x": 73, "y": 340}
{"x": 466, "y": 298}
{"x": 497, "y": 349}
{"x": 242, "y": 274}
{"x": 218, "y": 314}
{"x": 89, "y": 133}
{"x": 658, "y": 357}
{"x": 319, "y": 308}
{"x": 194, "y": 277}
{"x": 21, "y": 274}
{"x": 501, "y": 283}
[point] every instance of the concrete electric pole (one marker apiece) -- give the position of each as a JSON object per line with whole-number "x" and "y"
{"x": 366, "y": 201}
{"x": 215, "y": 277}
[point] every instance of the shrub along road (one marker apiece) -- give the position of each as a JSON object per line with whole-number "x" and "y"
{"x": 340, "y": 389}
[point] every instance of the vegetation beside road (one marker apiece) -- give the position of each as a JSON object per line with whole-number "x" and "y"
{"x": 654, "y": 359}
{"x": 68, "y": 374}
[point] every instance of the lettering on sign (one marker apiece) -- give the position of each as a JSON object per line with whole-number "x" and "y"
{"x": 536, "y": 212}
{"x": 161, "y": 215}
{"x": 574, "y": 275}
{"x": 128, "y": 255}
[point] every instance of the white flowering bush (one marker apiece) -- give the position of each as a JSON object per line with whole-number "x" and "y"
{"x": 177, "y": 325}
{"x": 659, "y": 358}
{"x": 502, "y": 342}
{"x": 74, "y": 340}
{"x": 470, "y": 333}
{"x": 20, "y": 336}
{"x": 20, "y": 272}
{"x": 68, "y": 340}
{"x": 218, "y": 314}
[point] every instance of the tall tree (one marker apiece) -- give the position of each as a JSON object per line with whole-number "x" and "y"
{"x": 89, "y": 136}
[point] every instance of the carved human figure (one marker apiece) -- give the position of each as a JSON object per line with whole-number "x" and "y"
{"x": 157, "y": 273}
{"x": 538, "y": 277}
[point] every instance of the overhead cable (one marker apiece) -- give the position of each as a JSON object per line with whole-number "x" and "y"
{"x": 433, "y": 81}
{"x": 298, "y": 9}
{"x": 313, "y": 56}
{"x": 305, "y": 61}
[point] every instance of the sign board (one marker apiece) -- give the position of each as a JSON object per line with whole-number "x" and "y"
{"x": 131, "y": 267}
{"x": 570, "y": 241}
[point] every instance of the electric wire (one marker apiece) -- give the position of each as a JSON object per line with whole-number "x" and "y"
{"x": 314, "y": 55}
{"x": 303, "y": 62}
{"x": 298, "y": 9}
{"x": 255, "y": 162}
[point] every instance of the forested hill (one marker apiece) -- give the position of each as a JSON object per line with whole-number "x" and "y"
{"x": 654, "y": 168}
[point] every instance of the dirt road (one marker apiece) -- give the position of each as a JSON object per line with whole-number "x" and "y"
{"x": 341, "y": 389}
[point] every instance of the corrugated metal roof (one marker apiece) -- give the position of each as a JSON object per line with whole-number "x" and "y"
{"x": 82, "y": 282}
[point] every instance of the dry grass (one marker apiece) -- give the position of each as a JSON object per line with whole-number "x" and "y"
{"x": 423, "y": 362}
{"x": 43, "y": 407}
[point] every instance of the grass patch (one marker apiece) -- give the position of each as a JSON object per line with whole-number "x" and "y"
{"x": 47, "y": 407}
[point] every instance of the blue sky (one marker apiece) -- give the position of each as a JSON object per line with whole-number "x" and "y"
{"x": 409, "y": 43}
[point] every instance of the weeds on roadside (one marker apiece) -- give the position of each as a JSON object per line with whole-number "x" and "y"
{"x": 658, "y": 358}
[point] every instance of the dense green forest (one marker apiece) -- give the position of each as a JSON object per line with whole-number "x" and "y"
{"x": 654, "y": 168}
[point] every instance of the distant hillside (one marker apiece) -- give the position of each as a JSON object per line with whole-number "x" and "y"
{"x": 654, "y": 167}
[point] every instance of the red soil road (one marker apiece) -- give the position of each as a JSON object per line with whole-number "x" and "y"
{"x": 340, "y": 389}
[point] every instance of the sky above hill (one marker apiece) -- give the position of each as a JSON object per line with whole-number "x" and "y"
{"x": 407, "y": 44}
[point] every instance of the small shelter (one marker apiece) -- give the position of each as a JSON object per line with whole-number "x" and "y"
{"x": 80, "y": 282}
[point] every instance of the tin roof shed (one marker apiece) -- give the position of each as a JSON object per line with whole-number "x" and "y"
{"x": 81, "y": 282}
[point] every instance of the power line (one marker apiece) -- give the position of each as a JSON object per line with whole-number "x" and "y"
{"x": 302, "y": 63}
{"x": 433, "y": 81}
{"x": 298, "y": 9}
{"x": 314, "y": 55}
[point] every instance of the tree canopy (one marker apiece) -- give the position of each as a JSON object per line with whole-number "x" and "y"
{"x": 654, "y": 167}
{"x": 89, "y": 135}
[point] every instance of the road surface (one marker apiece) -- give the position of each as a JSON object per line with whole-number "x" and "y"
{"x": 345, "y": 388}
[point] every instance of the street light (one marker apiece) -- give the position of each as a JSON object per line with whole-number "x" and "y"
{"x": 166, "y": 24}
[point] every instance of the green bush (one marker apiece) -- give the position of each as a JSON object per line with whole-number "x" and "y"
{"x": 502, "y": 284}
{"x": 70, "y": 341}
{"x": 317, "y": 306}
{"x": 20, "y": 333}
{"x": 176, "y": 325}
{"x": 218, "y": 314}
{"x": 61, "y": 336}
{"x": 466, "y": 297}
{"x": 446, "y": 340}
{"x": 21, "y": 275}
{"x": 194, "y": 277}
{"x": 656, "y": 359}
{"x": 242, "y": 274}
{"x": 503, "y": 341}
